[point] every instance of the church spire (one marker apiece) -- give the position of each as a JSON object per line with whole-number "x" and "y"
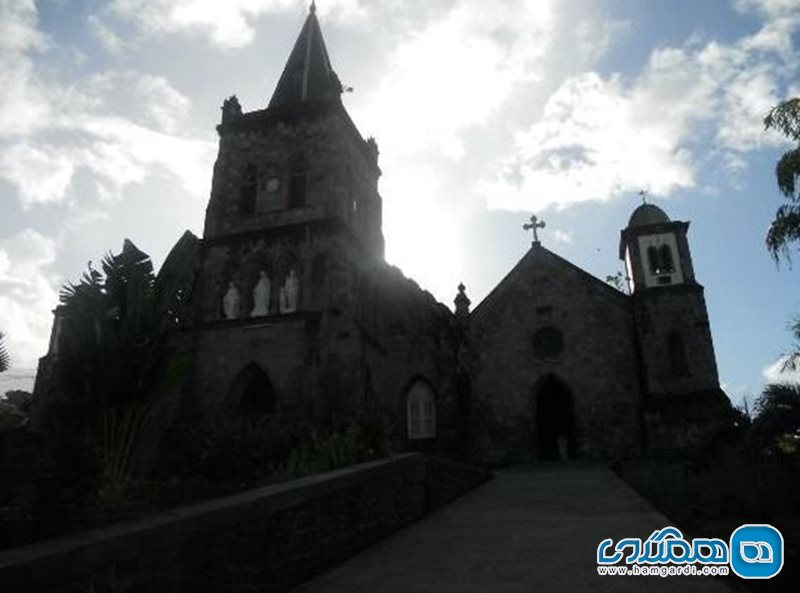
{"x": 307, "y": 76}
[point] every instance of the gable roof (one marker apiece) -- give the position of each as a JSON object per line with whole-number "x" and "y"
{"x": 542, "y": 254}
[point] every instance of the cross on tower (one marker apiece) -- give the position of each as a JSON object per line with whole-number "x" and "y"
{"x": 534, "y": 225}
{"x": 644, "y": 196}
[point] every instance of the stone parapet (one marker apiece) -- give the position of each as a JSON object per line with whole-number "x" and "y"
{"x": 267, "y": 539}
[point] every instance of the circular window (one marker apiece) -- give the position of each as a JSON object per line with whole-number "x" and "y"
{"x": 273, "y": 184}
{"x": 548, "y": 342}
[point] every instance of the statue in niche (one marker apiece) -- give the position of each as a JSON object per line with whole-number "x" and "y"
{"x": 231, "y": 302}
{"x": 261, "y": 296}
{"x": 289, "y": 293}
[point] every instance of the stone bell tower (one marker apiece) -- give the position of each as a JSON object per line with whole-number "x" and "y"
{"x": 678, "y": 366}
{"x": 294, "y": 213}
{"x": 299, "y": 161}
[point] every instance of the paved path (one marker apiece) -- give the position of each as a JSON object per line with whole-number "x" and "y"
{"x": 530, "y": 529}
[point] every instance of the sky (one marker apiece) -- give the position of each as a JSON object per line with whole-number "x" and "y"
{"x": 484, "y": 113}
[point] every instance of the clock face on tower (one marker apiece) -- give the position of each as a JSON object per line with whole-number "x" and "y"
{"x": 273, "y": 184}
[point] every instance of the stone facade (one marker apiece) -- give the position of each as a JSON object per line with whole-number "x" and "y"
{"x": 596, "y": 359}
{"x": 296, "y": 312}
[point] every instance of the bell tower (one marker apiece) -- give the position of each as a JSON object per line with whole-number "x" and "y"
{"x": 671, "y": 316}
{"x": 297, "y": 176}
{"x": 293, "y": 219}
{"x": 300, "y": 160}
{"x": 678, "y": 366}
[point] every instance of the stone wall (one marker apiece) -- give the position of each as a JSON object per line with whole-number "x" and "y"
{"x": 596, "y": 359}
{"x": 679, "y": 310}
{"x": 268, "y": 539}
{"x": 407, "y": 335}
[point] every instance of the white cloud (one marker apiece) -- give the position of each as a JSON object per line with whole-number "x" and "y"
{"x": 778, "y": 373}
{"x": 123, "y": 152}
{"x": 27, "y": 296}
{"x": 771, "y": 8}
{"x": 112, "y": 42}
{"x": 40, "y": 174}
{"x": 456, "y": 72}
{"x": 564, "y": 237}
{"x": 228, "y": 24}
{"x": 741, "y": 395}
{"x": 52, "y": 131}
{"x": 602, "y": 136}
{"x": 22, "y": 103}
{"x": 18, "y": 26}
{"x": 595, "y": 140}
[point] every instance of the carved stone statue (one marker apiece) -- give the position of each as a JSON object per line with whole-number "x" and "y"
{"x": 289, "y": 293}
{"x": 231, "y": 302}
{"x": 261, "y": 296}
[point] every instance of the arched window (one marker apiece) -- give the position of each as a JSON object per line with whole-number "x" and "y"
{"x": 679, "y": 365}
{"x": 421, "y": 411}
{"x": 249, "y": 191}
{"x": 298, "y": 184}
{"x": 653, "y": 259}
{"x": 666, "y": 264}
{"x": 252, "y": 392}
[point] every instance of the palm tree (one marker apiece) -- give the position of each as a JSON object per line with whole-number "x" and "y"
{"x": 778, "y": 419}
{"x": 115, "y": 369}
{"x": 785, "y": 228}
{"x": 5, "y": 359}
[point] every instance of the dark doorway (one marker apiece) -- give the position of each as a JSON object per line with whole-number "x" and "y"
{"x": 252, "y": 391}
{"x": 555, "y": 426}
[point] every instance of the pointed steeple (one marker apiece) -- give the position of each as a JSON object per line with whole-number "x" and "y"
{"x": 307, "y": 76}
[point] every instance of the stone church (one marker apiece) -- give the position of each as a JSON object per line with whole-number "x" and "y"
{"x": 296, "y": 311}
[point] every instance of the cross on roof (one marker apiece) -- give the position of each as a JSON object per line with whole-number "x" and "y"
{"x": 643, "y": 193}
{"x": 534, "y": 225}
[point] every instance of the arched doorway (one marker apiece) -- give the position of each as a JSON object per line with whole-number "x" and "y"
{"x": 555, "y": 423}
{"x": 252, "y": 391}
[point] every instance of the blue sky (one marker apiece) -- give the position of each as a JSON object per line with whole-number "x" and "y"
{"x": 484, "y": 114}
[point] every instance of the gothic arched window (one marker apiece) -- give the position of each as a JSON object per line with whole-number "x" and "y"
{"x": 679, "y": 365}
{"x": 249, "y": 191}
{"x": 298, "y": 183}
{"x": 666, "y": 263}
{"x": 653, "y": 259}
{"x": 421, "y": 411}
{"x": 252, "y": 391}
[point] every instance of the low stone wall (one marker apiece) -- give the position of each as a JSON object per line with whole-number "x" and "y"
{"x": 268, "y": 539}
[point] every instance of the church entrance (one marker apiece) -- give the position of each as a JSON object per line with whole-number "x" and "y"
{"x": 555, "y": 425}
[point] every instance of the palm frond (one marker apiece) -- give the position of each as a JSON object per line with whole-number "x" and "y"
{"x": 784, "y": 230}
{"x": 787, "y": 173}
{"x": 785, "y": 117}
{"x": 5, "y": 359}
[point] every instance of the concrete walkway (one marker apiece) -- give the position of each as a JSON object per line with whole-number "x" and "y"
{"x": 532, "y": 528}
